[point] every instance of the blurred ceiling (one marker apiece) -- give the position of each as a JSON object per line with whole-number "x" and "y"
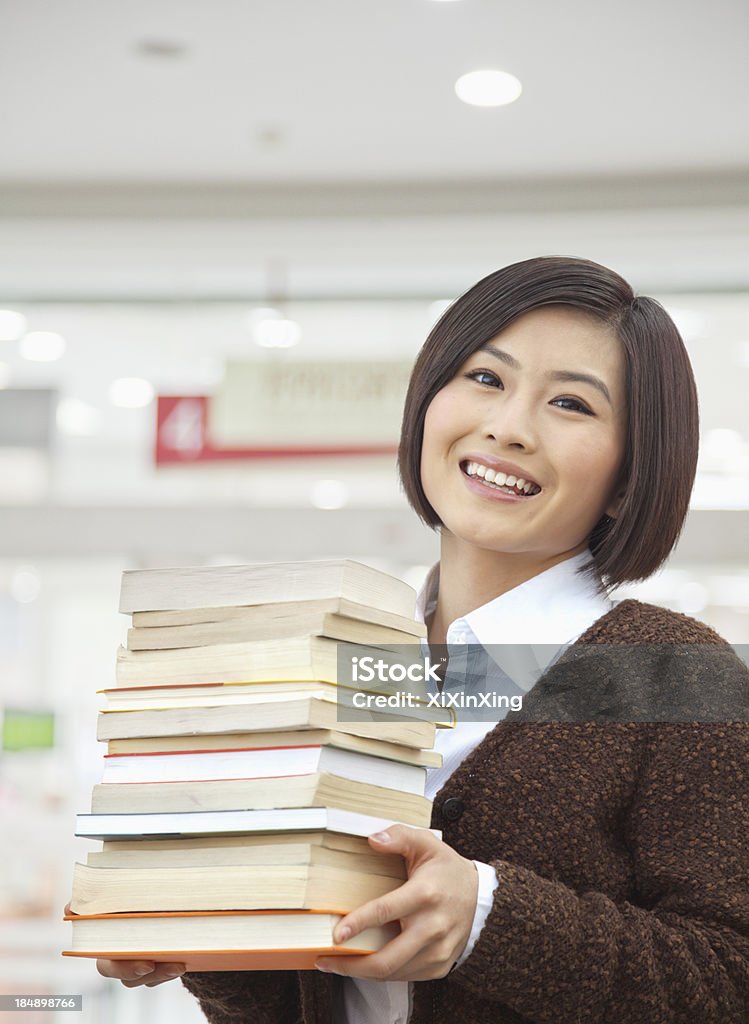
{"x": 332, "y": 90}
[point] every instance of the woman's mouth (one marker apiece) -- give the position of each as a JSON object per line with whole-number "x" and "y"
{"x": 500, "y": 483}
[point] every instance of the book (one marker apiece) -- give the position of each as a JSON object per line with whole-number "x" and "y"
{"x": 228, "y": 941}
{"x": 188, "y": 853}
{"x": 267, "y": 763}
{"x": 318, "y": 837}
{"x": 255, "y": 626}
{"x": 353, "y": 700}
{"x": 299, "y": 712}
{"x": 299, "y": 886}
{"x": 291, "y": 658}
{"x": 269, "y": 617}
{"x": 317, "y": 790}
{"x": 263, "y": 583}
{"x": 196, "y": 695}
{"x": 180, "y": 826}
{"x": 238, "y": 740}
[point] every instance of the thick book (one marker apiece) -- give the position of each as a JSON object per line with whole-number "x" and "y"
{"x": 228, "y": 941}
{"x": 242, "y": 842}
{"x": 269, "y": 617}
{"x": 317, "y": 790}
{"x": 260, "y": 624}
{"x": 213, "y": 826}
{"x": 350, "y": 700}
{"x": 239, "y": 740}
{"x": 197, "y": 695}
{"x": 291, "y": 658}
{"x": 266, "y": 763}
{"x": 296, "y": 713}
{"x": 243, "y": 851}
{"x": 303, "y": 886}
{"x": 264, "y": 583}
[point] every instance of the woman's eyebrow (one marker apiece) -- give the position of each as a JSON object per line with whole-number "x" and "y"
{"x": 565, "y": 375}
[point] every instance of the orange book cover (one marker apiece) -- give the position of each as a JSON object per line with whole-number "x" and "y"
{"x": 281, "y": 959}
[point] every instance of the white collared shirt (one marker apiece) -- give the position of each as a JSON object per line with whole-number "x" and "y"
{"x": 536, "y": 620}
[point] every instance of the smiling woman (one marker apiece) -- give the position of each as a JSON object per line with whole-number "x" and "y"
{"x": 593, "y": 865}
{"x": 569, "y": 317}
{"x": 570, "y": 445}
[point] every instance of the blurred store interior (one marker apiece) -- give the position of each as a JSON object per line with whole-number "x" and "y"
{"x": 193, "y": 195}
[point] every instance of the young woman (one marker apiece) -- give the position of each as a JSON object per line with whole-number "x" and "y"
{"x": 594, "y": 864}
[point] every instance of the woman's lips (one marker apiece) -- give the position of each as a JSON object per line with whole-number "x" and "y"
{"x": 477, "y": 485}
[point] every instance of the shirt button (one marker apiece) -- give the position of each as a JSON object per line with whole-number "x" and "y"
{"x": 452, "y": 809}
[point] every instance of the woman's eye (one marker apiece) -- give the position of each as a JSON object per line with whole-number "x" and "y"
{"x": 475, "y": 374}
{"x": 575, "y": 405}
{"x": 490, "y": 379}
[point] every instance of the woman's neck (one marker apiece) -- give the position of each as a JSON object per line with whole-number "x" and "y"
{"x": 470, "y": 577}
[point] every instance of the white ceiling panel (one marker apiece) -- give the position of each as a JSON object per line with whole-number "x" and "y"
{"x": 332, "y": 90}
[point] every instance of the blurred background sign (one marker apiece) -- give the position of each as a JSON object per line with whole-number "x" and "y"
{"x": 309, "y": 404}
{"x": 184, "y": 436}
{"x": 266, "y": 410}
{"x": 24, "y": 729}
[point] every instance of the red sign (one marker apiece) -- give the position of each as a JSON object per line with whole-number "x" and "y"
{"x": 183, "y": 437}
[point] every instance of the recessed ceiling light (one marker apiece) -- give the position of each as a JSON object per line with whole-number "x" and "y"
{"x": 277, "y": 333}
{"x": 42, "y": 346}
{"x": 329, "y": 494}
{"x": 12, "y": 324}
{"x": 488, "y": 88}
{"x": 25, "y": 585}
{"x": 167, "y": 49}
{"x": 76, "y": 418}
{"x": 131, "y": 392}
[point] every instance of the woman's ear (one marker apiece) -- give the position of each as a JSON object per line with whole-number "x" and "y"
{"x": 612, "y": 509}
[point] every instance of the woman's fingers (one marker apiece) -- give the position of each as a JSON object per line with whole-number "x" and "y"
{"x": 403, "y": 958}
{"x": 139, "y": 972}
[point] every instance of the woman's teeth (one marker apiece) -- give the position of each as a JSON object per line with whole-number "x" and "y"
{"x": 501, "y": 481}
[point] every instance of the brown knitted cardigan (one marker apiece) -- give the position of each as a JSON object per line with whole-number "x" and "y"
{"x": 620, "y": 847}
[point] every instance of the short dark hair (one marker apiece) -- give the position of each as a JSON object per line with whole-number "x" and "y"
{"x": 662, "y": 433}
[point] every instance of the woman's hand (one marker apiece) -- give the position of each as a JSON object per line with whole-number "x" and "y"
{"x": 435, "y": 907}
{"x": 133, "y": 973}
{"x": 137, "y": 972}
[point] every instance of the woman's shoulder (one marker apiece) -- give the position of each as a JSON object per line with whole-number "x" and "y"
{"x": 652, "y": 664}
{"x": 637, "y": 622}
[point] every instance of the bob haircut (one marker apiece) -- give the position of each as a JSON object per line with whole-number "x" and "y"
{"x": 662, "y": 435}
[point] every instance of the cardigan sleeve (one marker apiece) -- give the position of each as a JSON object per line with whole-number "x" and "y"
{"x": 246, "y": 997}
{"x": 681, "y": 952}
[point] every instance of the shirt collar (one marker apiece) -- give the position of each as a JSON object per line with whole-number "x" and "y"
{"x": 534, "y": 620}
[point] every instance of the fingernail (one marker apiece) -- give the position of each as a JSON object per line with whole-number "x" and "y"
{"x": 381, "y": 837}
{"x": 325, "y": 970}
{"x": 141, "y": 972}
{"x": 343, "y": 933}
{"x": 175, "y": 972}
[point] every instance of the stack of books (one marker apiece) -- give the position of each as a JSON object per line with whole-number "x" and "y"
{"x": 236, "y": 800}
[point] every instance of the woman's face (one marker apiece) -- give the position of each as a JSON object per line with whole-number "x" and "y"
{"x": 514, "y": 405}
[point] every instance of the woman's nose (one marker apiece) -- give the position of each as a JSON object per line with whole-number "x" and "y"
{"x": 512, "y": 423}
